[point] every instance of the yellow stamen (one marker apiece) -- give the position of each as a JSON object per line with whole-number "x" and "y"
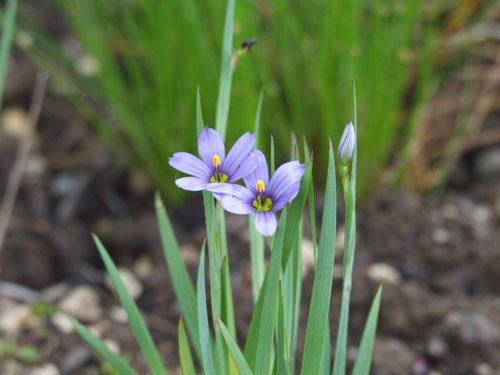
{"x": 260, "y": 186}
{"x": 216, "y": 161}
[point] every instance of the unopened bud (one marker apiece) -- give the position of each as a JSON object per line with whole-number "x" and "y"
{"x": 347, "y": 144}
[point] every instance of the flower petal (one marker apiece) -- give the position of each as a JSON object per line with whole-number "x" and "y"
{"x": 189, "y": 164}
{"x": 246, "y": 167}
{"x": 236, "y": 205}
{"x": 238, "y": 153}
{"x": 285, "y": 176}
{"x": 261, "y": 172}
{"x": 266, "y": 223}
{"x": 287, "y": 196}
{"x": 210, "y": 144}
{"x": 191, "y": 183}
{"x": 237, "y": 191}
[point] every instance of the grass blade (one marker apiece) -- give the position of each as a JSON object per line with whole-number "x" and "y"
{"x": 239, "y": 358}
{"x": 226, "y": 72}
{"x": 135, "y": 319}
{"x": 258, "y": 348}
{"x": 317, "y": 323}
{"x": 181, "y": 281}
{"x": 9, "y": 23}
{"x": 207, "y": 357}
{"x": 115, "y": 360}
{"x": 349, "y": 185}
{"x": 186, "y": 360}
{"x": 256, "y": 240}
{"x": 364, "y": 359}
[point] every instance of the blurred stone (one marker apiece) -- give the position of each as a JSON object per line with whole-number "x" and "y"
{"x": 484, "y": 369}
{"x": 75, "y": 359}
{"x": 87, "y": 65}
{"x": 118, "y": 314}
{"x": 471, "y": 328}
{"x": 36, "y": 166}
{"x": 15, "y": 123}
{"x": 62, "y": 322}
{"x": 486, "y": 162}
{"x": 190, "y": 254}
{"x": 112, "y": 345}
{"x": 13, "y": 317}
{"x": 46, "y": 369}
{"x": 437, "y": 347}
{"x": 131, "y": 282}
{"x": 54, "y": 292}
{"x": 392, "y": 357}
{"x": 384, "y": 273}
{"x": 82, "y": 303}
{"x": 139, "y": 182}
{"x": 441, "y": 236}
{"x": 307, "y": 256}
{"x": 143, "y": 267}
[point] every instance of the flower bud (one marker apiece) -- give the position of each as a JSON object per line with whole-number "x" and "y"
{"x": 347, "y": 144}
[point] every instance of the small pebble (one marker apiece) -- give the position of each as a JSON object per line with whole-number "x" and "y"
{"x": 384, "y": 273}
{"x": 441, "y": 236}
{"x": 62, "y": 322}
{"x": 118, "y": 314}
{"x": 131, "y": 282}
{"x": 82, "y": 303}
{"x": 13, "y": 317}
{"x": 307, "y": 256}
{"x": 437, "y": 347}
{"x": 15, "y": 123}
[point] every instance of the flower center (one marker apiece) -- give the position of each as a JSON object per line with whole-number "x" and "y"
{"x": 218, "y": 176}
{"x": 216, "y": 161}
{"x": 260, "y": 186}
{"x": 262, "y": 206}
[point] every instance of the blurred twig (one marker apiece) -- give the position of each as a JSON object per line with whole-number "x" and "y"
{"x": 23, "y": 151}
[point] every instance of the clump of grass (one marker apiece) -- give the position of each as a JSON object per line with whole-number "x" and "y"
{"x": 148, "y": 56}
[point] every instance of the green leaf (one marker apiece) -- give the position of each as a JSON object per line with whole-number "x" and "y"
{"x": 364, "y": 359}
{"x": 281, "y": 338}
{"x": 186, "y": 360}
{"x": 235, "y": 351}
{"x": 207, "y": 357}
{"x": 349, "y": 185}
{"x": 199, "y": 114}
{"x": 102, "y": 349}
{"x": 295, "y": 212}
{"x": 226, "y": 73}
{"x": 317, "y": 323}
{"x": 181, "y": 281}
{"x": 256, "y": 239}
{"x": 258, "y": 348}
{"x": 135, "y": 319}
{"x": 9, "y": 23}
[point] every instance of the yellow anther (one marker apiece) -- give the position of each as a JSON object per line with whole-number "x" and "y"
{"x": 216, "y": 161}
{"x": 260, "y": 186}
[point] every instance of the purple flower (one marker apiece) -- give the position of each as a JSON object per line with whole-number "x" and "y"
{"x": 262, "y": 196}
{"x": 214, "y": 166}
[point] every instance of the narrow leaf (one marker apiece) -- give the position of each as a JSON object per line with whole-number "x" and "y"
{"x": 116, "y": 361}
{"x": 207, "y": 357}
{"x": 317, "y": 323}
{"x": 181, "y": 281}
{"x": 135, "y": 319}
{"x": 9, "y": 23}
{"x": 186, "y": 360}
{"x": 235, "y": 351}
{"x": 364, "y": 359}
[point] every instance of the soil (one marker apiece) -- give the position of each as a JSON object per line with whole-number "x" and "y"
{"x": 437, "y": 257}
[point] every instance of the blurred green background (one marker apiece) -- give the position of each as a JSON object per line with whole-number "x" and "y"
{"x": 139, "y": 62}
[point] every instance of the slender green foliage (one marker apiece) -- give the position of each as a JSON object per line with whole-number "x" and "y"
{"x": 364, "y": 359}
{"x": 207, "y": 357}
{"x": 117, "y": 362}
{"x": 135, "y": 319}
{"x": 9, "y": 23}
{"x": 317, "y": 324}
{"x": 185, "y": 358}
{"x": 181, "y": 282}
